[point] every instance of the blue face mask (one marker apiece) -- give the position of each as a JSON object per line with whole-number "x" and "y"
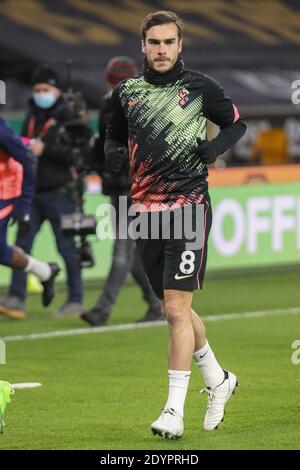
{"x": 44, "y": 100}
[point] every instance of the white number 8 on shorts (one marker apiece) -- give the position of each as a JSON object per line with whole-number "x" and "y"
{"x": 187, "y": 265}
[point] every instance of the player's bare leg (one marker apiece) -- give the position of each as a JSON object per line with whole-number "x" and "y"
{"x": 220, "y": 384}
{"x": 177, "y": 310}
{"x": 19, "y": 259}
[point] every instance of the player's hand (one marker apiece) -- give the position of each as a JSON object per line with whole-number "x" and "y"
{"x": 115, "y": 160}
{"x": 206, "y": 151}
{"x": 36, "y": 147}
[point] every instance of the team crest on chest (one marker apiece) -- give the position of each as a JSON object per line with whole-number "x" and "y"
{"x": 183, "y": 97}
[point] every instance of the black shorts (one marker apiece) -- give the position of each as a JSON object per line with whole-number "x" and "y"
{"x": 176, "y": 263}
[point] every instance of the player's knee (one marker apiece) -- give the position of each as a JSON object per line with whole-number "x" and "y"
{"x": 174, "y": 314}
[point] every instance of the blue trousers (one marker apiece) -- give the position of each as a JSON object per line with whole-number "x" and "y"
{"x": 5, "y": 249}
{"x": 50, "y": 205}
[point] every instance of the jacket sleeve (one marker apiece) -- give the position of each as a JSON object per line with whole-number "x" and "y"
{"x": 24, "y": 130}
{"x": 219, "y": 109}
{"x": 116, "y": 136}
{"x": 103, "y": 117}
{"x": 55, "y": 148}
{"x": 13, "y": 146}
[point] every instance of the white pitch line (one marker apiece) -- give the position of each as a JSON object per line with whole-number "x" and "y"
{"x": 136, "y": 326}
{"x": 26, "y": 385}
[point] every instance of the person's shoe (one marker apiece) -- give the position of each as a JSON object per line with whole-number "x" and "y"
{"x": 70, "y": 309}
{"x": 152, "y": 315}
{"x": 95, "y": 317}
{"x": 5, "y": 393}
{"x": 12, "y": 307}
{"x": 168, "y": 425}
{"x": 217, "y": 399}
{"x": 48, "y": 286}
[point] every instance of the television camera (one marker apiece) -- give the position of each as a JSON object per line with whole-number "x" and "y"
{"x": 77, "y": 135}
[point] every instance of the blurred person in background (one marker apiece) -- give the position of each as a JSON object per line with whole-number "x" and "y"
{"x": 125, "y": 258}
{"x": 46, "y": 114}
{"x": 16, "y": 193}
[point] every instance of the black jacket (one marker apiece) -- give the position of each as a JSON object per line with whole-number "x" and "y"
{"x": 164, "y": 118}
{"x": 121, "y": 183}
{"x": 54, "y": 165}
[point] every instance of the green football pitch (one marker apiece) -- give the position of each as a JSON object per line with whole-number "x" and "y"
{"x": 103, "y": 390}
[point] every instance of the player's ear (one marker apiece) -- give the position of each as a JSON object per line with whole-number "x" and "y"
{"x": 180, "y": 46}
{"x": 143, "y": 46}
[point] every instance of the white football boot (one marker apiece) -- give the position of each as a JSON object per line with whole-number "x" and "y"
{"x": 168, "y": 425}
{"x": 217, "y": 399}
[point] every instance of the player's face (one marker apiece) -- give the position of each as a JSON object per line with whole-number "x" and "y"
{"x": 162, "y": 47}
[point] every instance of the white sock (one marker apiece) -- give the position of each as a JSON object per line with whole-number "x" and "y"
{"x": 41, "y": 269}
{"x": 178, "y": 385}
{"x": 211, "y": 371}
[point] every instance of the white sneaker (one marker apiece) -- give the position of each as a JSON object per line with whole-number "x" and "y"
{"x": 168, "y": 425}
{"x": 217, "y": 399}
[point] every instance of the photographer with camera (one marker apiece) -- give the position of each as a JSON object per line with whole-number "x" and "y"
{"x": 125, "y": 257}
{"x": 48, "y": 111}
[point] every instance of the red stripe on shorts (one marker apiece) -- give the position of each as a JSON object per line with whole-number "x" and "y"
{"x": 204, "y": 241}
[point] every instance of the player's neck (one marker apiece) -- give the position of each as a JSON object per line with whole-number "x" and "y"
{"x": 157, "y": 78}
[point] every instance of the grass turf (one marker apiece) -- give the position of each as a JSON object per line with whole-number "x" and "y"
{"x": 102, "y": 391}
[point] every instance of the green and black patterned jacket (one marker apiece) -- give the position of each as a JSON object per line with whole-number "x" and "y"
{"x": 162, "y": 118}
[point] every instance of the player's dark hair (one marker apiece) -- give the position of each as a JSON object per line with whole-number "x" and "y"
{"x": 161, "y": 17}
